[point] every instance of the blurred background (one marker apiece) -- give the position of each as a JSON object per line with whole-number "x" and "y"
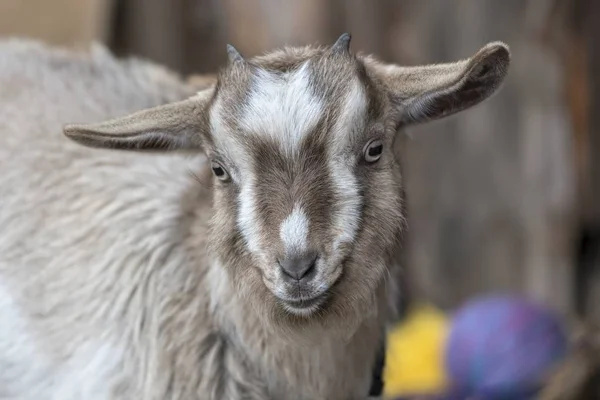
{"x": 504, "y": 197}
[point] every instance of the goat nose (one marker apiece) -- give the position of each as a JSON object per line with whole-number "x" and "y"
{"x": 299, "y": 266}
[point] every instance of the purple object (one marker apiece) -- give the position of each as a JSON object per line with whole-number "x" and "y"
{"x": 500, "y": 347}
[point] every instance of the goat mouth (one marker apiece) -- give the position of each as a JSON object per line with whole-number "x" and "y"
{"x": 304, "y": 306}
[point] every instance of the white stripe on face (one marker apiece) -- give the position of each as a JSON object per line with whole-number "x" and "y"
{"x": 353, "y": 116}
{"x": 347, "y": 217}
{"x": 294, "y": 231}
{"x": 352, "y": 121}
{"x": 246, "y": 219}
{"x": 282, "y": 107}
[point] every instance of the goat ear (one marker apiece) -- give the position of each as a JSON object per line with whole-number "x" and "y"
{"x": 175, "y": 126}
{"x": 435, "y": 91}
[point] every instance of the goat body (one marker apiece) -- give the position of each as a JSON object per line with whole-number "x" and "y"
{"x": 133, "y": 275}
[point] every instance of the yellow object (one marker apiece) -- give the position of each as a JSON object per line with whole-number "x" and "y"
{"x": 415, "y": 354}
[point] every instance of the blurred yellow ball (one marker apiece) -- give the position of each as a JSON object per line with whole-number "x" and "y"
{"x": 415, "y": 354}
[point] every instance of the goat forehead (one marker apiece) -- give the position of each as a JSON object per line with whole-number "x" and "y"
{"x": 283, "y": 107}
{"x": 289, "y": 107}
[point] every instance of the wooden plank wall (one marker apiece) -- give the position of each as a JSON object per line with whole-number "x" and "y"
{"x": 70, "y": 23}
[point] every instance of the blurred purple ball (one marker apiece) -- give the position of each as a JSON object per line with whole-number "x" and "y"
{"x": 500, "y": 347}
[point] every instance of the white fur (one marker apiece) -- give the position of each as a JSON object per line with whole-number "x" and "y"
{"x": 233, "y": 152}
{"x": 350, "y": 123}
{"x": 90, "y": 373}
{"x": 294, "y": 231}
{"x": 347, "y": 218}
{"x": 282, "y": 107}
{"x": 302, "y": 312}
{"x": 98, "y": 364}
{"x": 247, "y": 222}
{"x": 70, "y": 212}
{"x": 242, "y": 174}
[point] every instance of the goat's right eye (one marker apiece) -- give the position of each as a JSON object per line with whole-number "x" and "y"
{"x": 219, "y": 171}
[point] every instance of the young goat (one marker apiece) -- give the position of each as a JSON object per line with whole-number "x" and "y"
{"x": 125, "y": 276}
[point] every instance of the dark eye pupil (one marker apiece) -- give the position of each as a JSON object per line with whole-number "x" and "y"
{"x": 218, "y": 171}
{"x": 375, "y": 151}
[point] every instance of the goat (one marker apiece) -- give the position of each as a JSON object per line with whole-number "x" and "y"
{"x": 240, "y": 242}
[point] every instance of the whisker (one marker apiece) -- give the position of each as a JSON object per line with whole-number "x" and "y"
{"x": 197, "y": 178}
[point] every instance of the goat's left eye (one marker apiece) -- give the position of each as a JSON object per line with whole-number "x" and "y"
{"x": 219, "y": 171}
{"x": 373, "y": 151}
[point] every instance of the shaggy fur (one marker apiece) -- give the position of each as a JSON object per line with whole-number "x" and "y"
{"x": 137, "y": 275}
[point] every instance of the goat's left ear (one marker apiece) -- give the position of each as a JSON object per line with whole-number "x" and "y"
{"x": 431, "y": 92}
{"x": 176, "y": 126}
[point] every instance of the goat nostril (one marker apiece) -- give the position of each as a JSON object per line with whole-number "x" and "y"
{"x": 299, "y": 266}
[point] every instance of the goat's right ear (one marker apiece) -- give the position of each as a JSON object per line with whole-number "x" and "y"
{"x": 176, "y": 126}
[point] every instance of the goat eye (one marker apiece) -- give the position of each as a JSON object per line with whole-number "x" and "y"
{"x": 219, "y": 171}
{"x": 373, "y": 151}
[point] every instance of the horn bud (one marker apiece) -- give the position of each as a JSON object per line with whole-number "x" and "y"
{"x": 342, "y": 45}
{"x": 234, "y": 55}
